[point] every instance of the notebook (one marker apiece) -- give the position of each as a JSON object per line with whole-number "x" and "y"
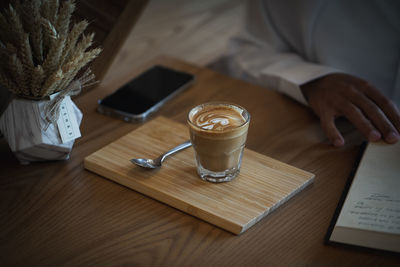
{"x": 368, "y": 214}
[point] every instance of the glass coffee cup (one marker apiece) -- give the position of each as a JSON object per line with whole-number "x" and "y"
{"x": 218, "y": 132}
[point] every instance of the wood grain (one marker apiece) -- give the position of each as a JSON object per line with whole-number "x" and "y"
{"x": 59, "y": 214}
{"x": 262, "y": 185}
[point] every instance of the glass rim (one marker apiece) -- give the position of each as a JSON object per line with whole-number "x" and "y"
{"x": 247, "y": 120}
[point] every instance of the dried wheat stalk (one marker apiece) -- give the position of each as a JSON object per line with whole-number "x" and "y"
{"x": 32, "y": 23}
{"x": 52, "y": 82}
{"x": 25, "y": 53}
{"x": 37, "y": 80}
{"x": 49, "y": 33}
{"x": 73, "y": 36}
{"x": 19, "y": 74}
{"x": 49, "y": 29}
{"x": 16, "y": 24}
{"x": 54, "y": 7}
{"x": 42, "y": 52}
{"x": 53, "y": 57}
{"x": 81, "y": 46}
{"x": 87, "y": 57}
{"x": 64, "y": 17}
{"x": 45, "y": 10}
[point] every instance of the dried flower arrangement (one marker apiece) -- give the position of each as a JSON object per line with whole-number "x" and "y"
{"x": 40, "y": 52}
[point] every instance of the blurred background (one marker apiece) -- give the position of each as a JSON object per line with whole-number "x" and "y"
{"x": 191, "y": 30}
{"x": 133, "y": 32}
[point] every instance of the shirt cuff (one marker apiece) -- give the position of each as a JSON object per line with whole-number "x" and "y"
{"x": 288, "y": 76}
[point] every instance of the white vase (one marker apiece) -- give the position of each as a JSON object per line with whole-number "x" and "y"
{"x": 30, "y": 137}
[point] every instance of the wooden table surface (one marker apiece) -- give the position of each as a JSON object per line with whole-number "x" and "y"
{"x": 59, "y": 214}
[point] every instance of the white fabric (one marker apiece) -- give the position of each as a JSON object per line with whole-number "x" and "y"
{"x": 287, "y": 43}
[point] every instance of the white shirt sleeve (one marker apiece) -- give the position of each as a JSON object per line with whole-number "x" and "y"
{"x": 260, "y": 56}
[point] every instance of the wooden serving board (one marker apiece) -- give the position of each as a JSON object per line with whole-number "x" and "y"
{"x": 263, "y": 184}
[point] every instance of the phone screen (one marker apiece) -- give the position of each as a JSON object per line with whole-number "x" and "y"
{"x": 147, "y": 90}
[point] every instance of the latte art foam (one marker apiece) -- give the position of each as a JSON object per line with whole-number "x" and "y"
{"x": 218, "y": 118}
{"x": 218, "y": 132}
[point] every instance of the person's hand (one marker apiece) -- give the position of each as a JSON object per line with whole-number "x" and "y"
{"x": 337, "y": 95}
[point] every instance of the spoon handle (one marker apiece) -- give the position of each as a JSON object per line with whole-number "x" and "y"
{"x": 175, "y": 150}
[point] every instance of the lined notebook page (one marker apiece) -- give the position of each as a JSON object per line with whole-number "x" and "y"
{"x": 373, "y": 202}
{"x": 370, "y": 215}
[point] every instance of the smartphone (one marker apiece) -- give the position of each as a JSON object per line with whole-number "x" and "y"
{"x": 145, "y": 94}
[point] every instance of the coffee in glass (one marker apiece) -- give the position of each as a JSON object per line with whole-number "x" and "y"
{"x": 218, "y": 133}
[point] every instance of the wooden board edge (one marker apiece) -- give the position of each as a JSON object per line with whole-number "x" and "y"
{"x": 213, "y": 219}
{"x": 278, "y": 204}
